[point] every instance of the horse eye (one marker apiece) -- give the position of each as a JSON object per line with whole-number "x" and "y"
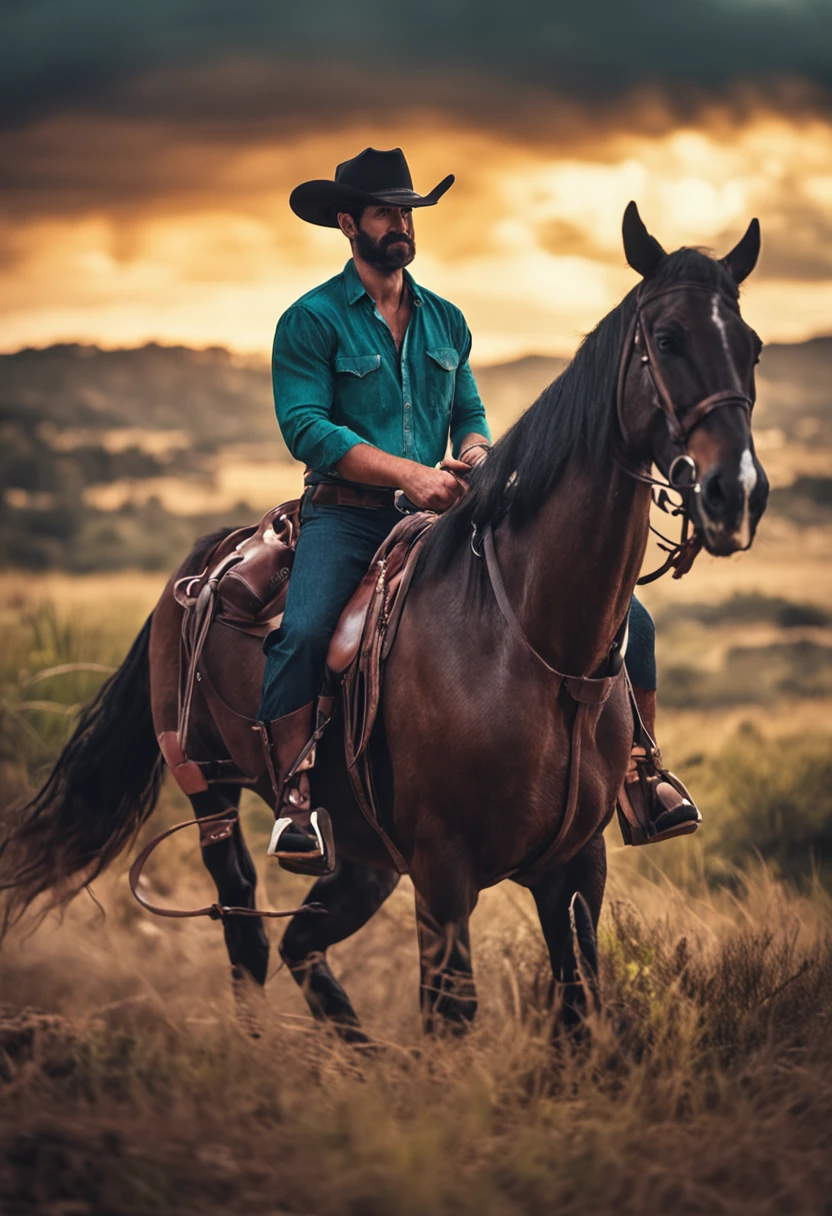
{"x": 665, "y": 343}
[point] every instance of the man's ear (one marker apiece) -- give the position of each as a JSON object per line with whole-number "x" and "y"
{"x": 347, "y": 224}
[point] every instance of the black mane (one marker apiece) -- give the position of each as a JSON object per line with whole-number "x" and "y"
{"x": 573, "y": 419}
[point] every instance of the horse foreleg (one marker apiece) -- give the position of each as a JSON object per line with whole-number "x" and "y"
{"x": 351, "y": 895}
{"x": 569, "y": 904}
{"x": 447, "y": 991}
{"x": 444, "y": 902}
{"x": 229, "y": 864}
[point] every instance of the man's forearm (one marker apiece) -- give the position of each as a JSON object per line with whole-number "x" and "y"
{"x": 372, "y": 467}
{"x": 431, "y": 489}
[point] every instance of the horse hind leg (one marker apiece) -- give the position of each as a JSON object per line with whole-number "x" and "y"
{"x": 569, "y": 904}
{"x": 352, "y": 894}
{"x": 229, "y": 864}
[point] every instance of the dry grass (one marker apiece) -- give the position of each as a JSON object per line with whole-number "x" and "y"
{"x": 128, "y": 1087}
{"x": 704, "y": 1086}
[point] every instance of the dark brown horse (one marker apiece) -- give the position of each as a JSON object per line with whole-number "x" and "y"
{"x": 481, "y": 771}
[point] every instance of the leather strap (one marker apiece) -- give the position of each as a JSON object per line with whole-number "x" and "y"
{"x": 223, "y": 823}
{"x": 586, "y": 690}
{"x": 326, "y": 494}
{"x": 638, "y": 334}
{"x": 504, "y": 604}
{"x": 680, "y": 557}
{"x": 196, "y": 622}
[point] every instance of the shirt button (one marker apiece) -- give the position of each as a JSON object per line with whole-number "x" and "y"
{"x": 407, "y": 405}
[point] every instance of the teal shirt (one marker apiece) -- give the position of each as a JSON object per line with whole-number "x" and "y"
{"x": 339, "y": 380}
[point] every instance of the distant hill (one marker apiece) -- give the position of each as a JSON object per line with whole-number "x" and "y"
{"x": 509, "y": 388}
{"x": 794, "y": 387}
{"x": 99, "y": 449}
{"x": 217, "y": 396}
{"x": 220, "y": 398}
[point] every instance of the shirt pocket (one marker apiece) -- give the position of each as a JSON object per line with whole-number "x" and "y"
{"x": 442, "y": 363}
{"x": 358, "y": 384}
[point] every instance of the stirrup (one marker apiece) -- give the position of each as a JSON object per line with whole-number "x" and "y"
{"x": 317, "y": 859}
{"x": 679, "y": 817}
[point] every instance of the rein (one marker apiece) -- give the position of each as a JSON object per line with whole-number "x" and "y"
{"x": 586, "y": 691}
{"x": 681, "y": 556}
{"x": 223, "y": 824}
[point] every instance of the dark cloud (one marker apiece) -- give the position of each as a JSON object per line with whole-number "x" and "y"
{"x": 798, "y": 239}
{"x": 127, "y": 108}
{"x": 56, "y": 54}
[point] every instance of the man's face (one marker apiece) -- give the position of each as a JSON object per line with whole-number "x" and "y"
{"x": 384, "y": 237}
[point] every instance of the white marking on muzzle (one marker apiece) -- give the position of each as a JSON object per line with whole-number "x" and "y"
{"x": 748, "y": 472}
{"x": 748, "y": 480}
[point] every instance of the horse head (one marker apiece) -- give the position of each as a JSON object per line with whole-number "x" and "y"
{"x": 686, "y": 384}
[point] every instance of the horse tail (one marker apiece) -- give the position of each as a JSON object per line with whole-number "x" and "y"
{"x": 102, "y": 789}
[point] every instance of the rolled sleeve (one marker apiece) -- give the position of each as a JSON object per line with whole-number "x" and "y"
{"x": 468, "y": 414}
{"x": 303, "y": 384}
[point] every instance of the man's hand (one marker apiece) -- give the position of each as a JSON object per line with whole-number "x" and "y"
{"x": 427, "y": 488}
{"x": 433, "y": 489}
{"x": 461, "y": 468}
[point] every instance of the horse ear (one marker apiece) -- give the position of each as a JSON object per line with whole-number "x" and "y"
{"x": 643, "y": 251}
{"x": 743, "y": 257}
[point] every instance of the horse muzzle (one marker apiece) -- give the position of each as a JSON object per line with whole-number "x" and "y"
{"x": 728, "y": 502}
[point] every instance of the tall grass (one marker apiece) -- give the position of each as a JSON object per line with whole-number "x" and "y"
{"x": 772, "y": 798}
{"x": 51, "y": 663}
{"x": 704, "y": 1085}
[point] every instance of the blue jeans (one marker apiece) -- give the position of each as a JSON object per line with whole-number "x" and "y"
{"x": 641, "y": 647}
{"x": 336, "y": 546}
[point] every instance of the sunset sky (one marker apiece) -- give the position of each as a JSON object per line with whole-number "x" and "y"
{"x": 147, "y": 154}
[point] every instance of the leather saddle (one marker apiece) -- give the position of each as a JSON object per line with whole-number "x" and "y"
{"x": 243, "y": 587}
{"x": 247, "y": 575}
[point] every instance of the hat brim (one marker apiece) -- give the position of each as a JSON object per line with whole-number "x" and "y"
{"x": 319, "y": 202}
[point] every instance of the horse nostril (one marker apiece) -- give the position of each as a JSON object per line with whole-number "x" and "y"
{"x": 714, "y": 498}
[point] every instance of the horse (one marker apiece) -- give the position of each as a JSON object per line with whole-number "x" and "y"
{"x": 491, "y": 760}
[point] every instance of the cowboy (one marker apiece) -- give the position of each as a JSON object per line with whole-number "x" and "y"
{"x": 371, "y": 381}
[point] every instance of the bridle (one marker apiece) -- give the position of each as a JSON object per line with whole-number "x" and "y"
{"x": 681, "y": 554}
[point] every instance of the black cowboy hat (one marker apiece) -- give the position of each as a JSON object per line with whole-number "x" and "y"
{"x": 368, "y": 179}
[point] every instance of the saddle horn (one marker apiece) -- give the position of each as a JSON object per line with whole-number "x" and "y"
{"x": 643, "y": 251}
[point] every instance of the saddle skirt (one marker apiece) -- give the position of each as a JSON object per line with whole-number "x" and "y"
{"x": 243, "y": 587}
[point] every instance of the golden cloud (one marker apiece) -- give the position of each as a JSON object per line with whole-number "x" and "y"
{"x": 527, "y": 242}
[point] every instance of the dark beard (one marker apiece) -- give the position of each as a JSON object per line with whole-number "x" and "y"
{"x": 393, "y": 252}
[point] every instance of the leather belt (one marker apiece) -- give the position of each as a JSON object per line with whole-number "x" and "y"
{"x": 326, "y": 495}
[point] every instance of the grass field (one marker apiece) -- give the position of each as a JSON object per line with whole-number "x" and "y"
{"x": 704, "y": 1086}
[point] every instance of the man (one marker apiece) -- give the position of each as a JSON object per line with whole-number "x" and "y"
{"x": 371, "y": 380}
